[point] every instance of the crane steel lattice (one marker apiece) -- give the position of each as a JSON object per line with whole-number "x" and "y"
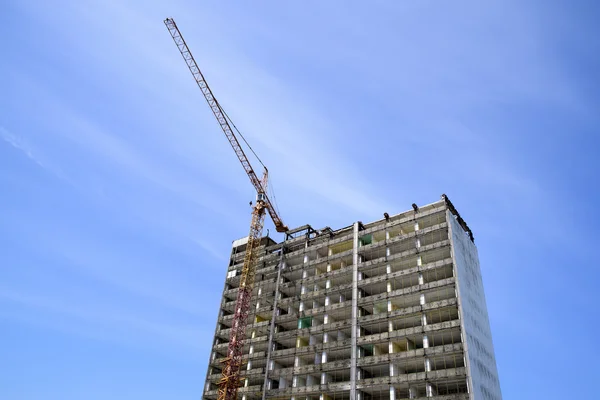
{"x": 230, "y": 381}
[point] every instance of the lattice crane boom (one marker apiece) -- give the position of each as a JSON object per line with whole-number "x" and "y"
{"x": 223, "y": 121}
{"x": 230, "y": 381}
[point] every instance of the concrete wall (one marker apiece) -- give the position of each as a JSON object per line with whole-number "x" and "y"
{"x": 479, "y": 348}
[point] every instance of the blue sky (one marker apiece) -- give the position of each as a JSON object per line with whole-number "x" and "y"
{"x": 120, "y": 196}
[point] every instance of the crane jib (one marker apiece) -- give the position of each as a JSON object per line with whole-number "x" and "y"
{"x": 221, "y": 119}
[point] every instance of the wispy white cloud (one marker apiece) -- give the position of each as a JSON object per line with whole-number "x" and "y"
{"x": 211, "y": 249}
{"x": 133, "y": 273}
{"x": 96, "y": 321}
{"x": 303, "y": 160}
{"x": 21, "y": 144}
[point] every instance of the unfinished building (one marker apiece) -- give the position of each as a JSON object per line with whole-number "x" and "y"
{"x": 392, "y": 309}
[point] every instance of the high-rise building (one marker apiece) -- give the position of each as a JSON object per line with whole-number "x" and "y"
{"x": 392, "y": 309}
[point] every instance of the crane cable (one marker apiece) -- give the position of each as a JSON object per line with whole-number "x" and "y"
{"x": 240, "y": 133}
{"x": 270, "y": 184}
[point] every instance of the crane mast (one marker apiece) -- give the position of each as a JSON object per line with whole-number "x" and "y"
{"x": 230, "y": 380}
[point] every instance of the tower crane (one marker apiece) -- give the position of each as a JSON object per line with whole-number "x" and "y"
{"x": 230, "y": 380}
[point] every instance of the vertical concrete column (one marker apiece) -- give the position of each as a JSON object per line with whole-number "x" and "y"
{"x": 412, "y": 392}
{"x": 429, "y": 390}
{"x": 421, "y": 279}
{"x": 304, "y": 276}
{"x": 388, "y": 269}
{"x": 392, "y": 393}
{"x": 422, "y": 301}
{"x": 353, "y": 355}
{"x": 271, "y": 345}
{"x": 317, "y": 359}
{"x": 427, "y": 364}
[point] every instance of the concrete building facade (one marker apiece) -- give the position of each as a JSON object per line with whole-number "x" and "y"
{"x": 392, "y": 309}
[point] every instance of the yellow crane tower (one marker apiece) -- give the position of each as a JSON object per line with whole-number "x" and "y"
{"x": 230, "y": 381}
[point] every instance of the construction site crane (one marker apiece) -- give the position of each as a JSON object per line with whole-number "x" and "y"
{"x": 230, "y": 381}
